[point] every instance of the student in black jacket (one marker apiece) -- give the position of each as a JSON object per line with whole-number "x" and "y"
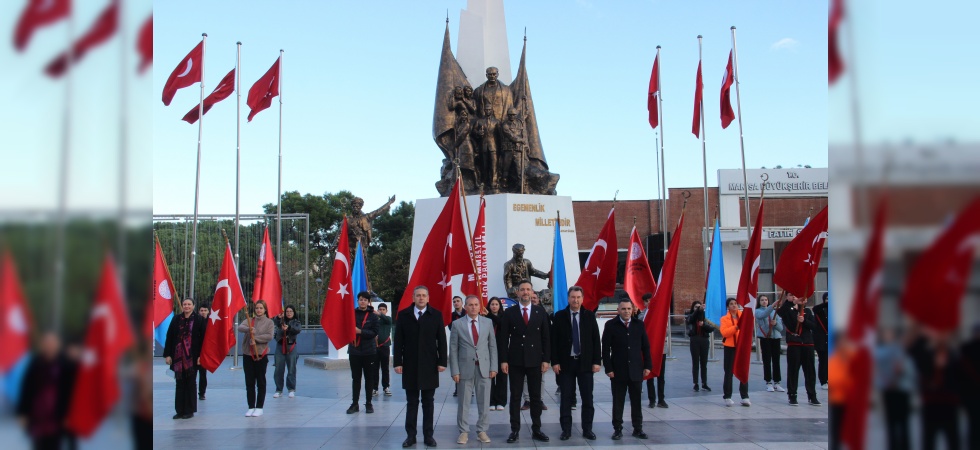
{"x": 820, "y": 339}
{"x": 626, "y": 358}
{"x": 575, "y": 357}
{"x": 202, "y": 373}
{"x": 363, "y": 351}
{"x": 699, "y": 329}
{"x": 287, "y": 327}
{"x": 799, "y": 323}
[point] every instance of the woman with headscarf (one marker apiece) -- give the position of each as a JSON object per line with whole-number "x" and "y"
{"x": 185, "y": 336}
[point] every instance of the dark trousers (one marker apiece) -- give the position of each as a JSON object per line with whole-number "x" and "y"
{"x": 412, "y": 413}
{"x": 498, "y": 389}
{"x": 699, "y": 358}
{"x": 897, "y": 409}
{"x": 836, "y": 419}
{"x": 821, "y": 350}
{"x": 651, "y": 393}
{"x": 185, "y": 398}
{"x": 743, "y": 388}
{"x": 938, "y": 420}
{"x": 381, "y": 362}
{"x": 619, "y": 403}
{"x": 255, "y": 380}
{"x": 973, "y": 420}
{"x": 362, "y": 365}
{"x": 56, "y": 441}
{"x": 580, "y": 372}
{"x": 796, "y": 356}
{"x": 517, "y": 376}
{"x": 142, "y": 429}
{"x": 770, "y": 359}
{"x": 202, "y": 381}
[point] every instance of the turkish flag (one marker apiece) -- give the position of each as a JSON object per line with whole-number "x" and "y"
{"x": 261, "y": 93}
{"x": 38, "y": 14}
{"x": 223, "y": 90}
{"x": 748, "y": 289}
{"x": 102, "y": 29}
{"x": 639, "y": 277}
{"x": 15, "y": 317}
{"x": 800, "y": 259}
{"x": 268, "y": 285}
{"x": 469, "y": 286}
{"x": 652, "y": 93}
{"x": 835, "y": 62}
{"x": 164, "y": 294}
{"x": 934, "y": 290}
{"x": 337, "y": 318}
{"x": 698, "y": 94}
{"x": 727, "y": 114}
{"x": 598, "y": 277}
{"x": 655, "y": 320}
{"x": 144, "y": 44}
{"x": 185, "y": 74}
{"x": 861, "y": 331}
{"x": 108, "y": 337}
{"x": 228, "y": 300}
{"x": 443, "y": 255}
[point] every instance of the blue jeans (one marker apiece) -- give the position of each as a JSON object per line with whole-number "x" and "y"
{"x": 282, "y": 361}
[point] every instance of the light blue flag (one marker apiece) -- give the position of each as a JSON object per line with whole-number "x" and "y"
{"x": 359, "y": 277}
{"x": 14, "y": 379}
{"x": 714, "y": 299}
{"x": 160, "y": 332}
{"x": 559, "y": 279}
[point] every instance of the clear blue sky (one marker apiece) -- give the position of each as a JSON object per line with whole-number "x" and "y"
{"x": 359, "y": 87}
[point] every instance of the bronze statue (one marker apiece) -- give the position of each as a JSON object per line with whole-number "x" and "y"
{"x": 360, "y": 223}
{"x": 506, "y": 154}
{"x": 518, "y": 269}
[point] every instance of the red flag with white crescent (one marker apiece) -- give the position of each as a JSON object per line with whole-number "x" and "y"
{"x": 337, "y": 319}
{"x": 800, "y": 260}
{"x": 187, "y": 72}
{"x": 469, "y": 285}
{"x": 655, "y": 320}
{"x": 15, "y": 317}
{"x": 727, "y": 80}
{"x": 639, "y": 277}
{"x": 268, "y": 285}
{"x": 228, "y": 300}
{"x": 38, "y": 14}
{"x": 748, "y": 289}
{"x": 598, "y": 277}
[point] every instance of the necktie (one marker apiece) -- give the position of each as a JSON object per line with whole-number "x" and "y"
{"x": 476, "y": 335}
{"x": 627, "y": 324}
{"x": 420, "y": 315}
{"x": 576, "y": 346}
{"x": 525, "y": 315}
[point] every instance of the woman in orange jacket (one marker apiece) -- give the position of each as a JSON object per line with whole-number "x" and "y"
{"x": 729, "y": 333}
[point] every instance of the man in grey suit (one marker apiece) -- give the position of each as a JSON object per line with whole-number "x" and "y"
{"x": 472, "y": 363}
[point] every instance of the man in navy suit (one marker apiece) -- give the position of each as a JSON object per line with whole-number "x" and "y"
{"x": 525, "y": 351}
{"x": 626, "y": 357}
{"x": 575, "y": 337}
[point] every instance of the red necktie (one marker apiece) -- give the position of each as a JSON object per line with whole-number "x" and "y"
{"x": 525, "y": 315}
{"x": 476, "y": 336}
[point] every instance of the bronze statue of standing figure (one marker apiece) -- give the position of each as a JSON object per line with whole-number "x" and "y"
{"x": 517, "y": 269}
{"x": 360, "y": 223}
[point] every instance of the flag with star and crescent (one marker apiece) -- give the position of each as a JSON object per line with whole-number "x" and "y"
{"x": 228, "y": 300}
{"x": 748, "y": 290}
{"x": 337, "y": 319}
{"x": 598, "y": 278}
{"x": 800, "y": 260}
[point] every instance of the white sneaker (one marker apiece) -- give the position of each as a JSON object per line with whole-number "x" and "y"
{"x": 277, "y": 395}
{"x": 729, "y": 402}
{"x": 778, "y": 387}
{"x": 250, "y": 412}
{"x": 292, "y": 394}
{"x": 824, "y": 386}
{"x": 769, "y": 388}
{"x": 388, "y": 392}
{"x": 374, "y": 393}
{"x": 257, "y": 413}
{"x": 500, "y": 407}
{"x": 746, "y": 402}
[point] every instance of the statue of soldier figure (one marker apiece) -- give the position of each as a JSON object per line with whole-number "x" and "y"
{"x": 517, "y": 269}
{"x": 490, "y": 132}
{"x": 360, "y": 224}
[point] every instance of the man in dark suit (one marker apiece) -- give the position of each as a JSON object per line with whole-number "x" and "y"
{"x": 575, "y": 357}
{"x": 626, "y": 357}
{"x": 820, "y": 341}
{"x": 525, "y": 349}
{"x": 420, "y": 354}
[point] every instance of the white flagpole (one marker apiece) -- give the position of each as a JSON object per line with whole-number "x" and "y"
{"x": 663, "y": 171}
{"x": 197, "y": 180}
{"x": 121, "y": 236}
{"x": 61, "y": 217}
{"x": 238, "y": 167}
{"x": 279, "y": 188}
{"x": 704, "y": 164}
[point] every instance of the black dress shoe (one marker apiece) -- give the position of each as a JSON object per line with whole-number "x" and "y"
{"x": 188, "y": 416}
{"x": 589, "y": 435}
{"x": 408, "y": 442}
{"x": 430, "y": 442}
{"x": 639, "y": 434}
{"x": 369, "y": 408}
{"x": 178, "y": 416}
{"x": 696, "y": 388}
{"x": 512, "y": 438}
{"x": 539, "y": 436}
{"x": 651, "y": 405}
{"x": 705, "y": 387}
{"x": 662, "y": 404}
{"x": 201, "y": 397}
{"x": 565, "y": 435}
{"x": 617, "y": 435}
{"x": 353, "y": 409}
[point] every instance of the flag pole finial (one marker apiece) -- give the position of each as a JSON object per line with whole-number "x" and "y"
{"x": 238, "y": 43}
{"x": 733, "y": 27}
{"x": 658, "y": 47}
{"x": 686, "y": 194}
{"x": 614, "y": 197}
{"x": 699, "y": 36}
{"x": 204, "y": 35}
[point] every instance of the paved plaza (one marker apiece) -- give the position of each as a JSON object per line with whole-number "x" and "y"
{"x": 316, "y": 417}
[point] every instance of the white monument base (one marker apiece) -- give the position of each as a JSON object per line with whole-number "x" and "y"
{"x": 510, "y": 219}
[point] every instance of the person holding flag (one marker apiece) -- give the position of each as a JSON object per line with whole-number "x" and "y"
{"x": 363, "y": 352}
{"x": 730, "y": 335}
{"x": 202, "y": 373}
{"x": 799, "y": 322}
{"x": 255, "y": 348}
{"x": 653, "y": 393}
{"x": 769, "y": 329}
{"x": 185, "y": 336}
{"x": 699, "y": 329}
{"x": 287, "y": 327}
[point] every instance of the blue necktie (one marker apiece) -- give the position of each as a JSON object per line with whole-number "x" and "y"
{"x": 576, "y": 346}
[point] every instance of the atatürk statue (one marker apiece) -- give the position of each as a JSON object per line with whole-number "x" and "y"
{"x": 518, "y": 269}
{"x": 360, "y": 223}
{"x": 490, "y": 132}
